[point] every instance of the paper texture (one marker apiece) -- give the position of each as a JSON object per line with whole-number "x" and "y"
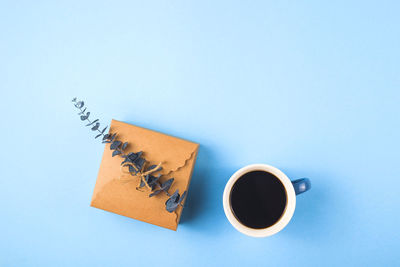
{"x": 177, "y": 156}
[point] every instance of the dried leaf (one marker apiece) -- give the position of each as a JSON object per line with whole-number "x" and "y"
{"x": 83, "y": 117}
{"x": 152, "y": 180}
{"x": 132, "y": 169}
{"x": 98, "y": 136}
{"x": 116, "y": 152}
{"x": 173, "y": 202}
{"x": 96, "y": 126}
{"x": 115, "y": 145}
{"x": 105, "y": 137}
{"x": 182, "y": 197}
{"x": 175, "y": 196}
{"x": 134, "y": 156}
{"x": 124, "y": 145}
{"x": 167, "y": 184}
{"x": 155, "y": 193}
{"x": 96, "y": 120}
{"x": 105, "y": 128}
{"x": 80, "y": 104}
{"x": 171, "y": 205}
{"x": 113, "y": 137}
{"x": 131, "y": 157}
{"x": 152, "y": 187}
{"x": 139, "y": 162}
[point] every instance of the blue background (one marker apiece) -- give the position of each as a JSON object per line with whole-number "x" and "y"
{"x": 310, "y": 87}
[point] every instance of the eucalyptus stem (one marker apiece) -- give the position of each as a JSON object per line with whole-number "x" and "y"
{"x": 135, "y": 163}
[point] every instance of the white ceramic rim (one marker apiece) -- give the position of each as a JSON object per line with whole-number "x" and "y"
{"x": 287, "y": 214}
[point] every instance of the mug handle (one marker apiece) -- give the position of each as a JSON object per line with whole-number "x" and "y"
{"x": 301, "y": 185}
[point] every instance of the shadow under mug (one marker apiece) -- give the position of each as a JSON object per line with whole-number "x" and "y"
{"x": 292, "y": 189}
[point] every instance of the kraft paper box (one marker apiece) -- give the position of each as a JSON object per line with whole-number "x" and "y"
{"x": 177, "y": 156}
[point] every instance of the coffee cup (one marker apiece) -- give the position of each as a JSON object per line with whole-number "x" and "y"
{"x": 259, "y": 200}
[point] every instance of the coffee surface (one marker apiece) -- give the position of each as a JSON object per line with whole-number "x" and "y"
{"x": 258, "y": 199}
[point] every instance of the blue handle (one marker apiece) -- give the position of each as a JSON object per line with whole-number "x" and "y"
{"x": 301, "y": 185}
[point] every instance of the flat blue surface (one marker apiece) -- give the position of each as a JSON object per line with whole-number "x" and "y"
{"x": 310, "y": 87}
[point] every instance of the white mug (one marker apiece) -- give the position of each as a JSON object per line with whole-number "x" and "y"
{"x": 292, "y": 189}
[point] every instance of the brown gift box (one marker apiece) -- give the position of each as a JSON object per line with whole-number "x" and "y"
{"x": 177, "y": 156}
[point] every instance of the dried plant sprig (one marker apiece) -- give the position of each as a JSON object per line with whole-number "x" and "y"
{"x": 135, "y": 162}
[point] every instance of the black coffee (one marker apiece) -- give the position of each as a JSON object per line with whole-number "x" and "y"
{"x": 258, "y": 199}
